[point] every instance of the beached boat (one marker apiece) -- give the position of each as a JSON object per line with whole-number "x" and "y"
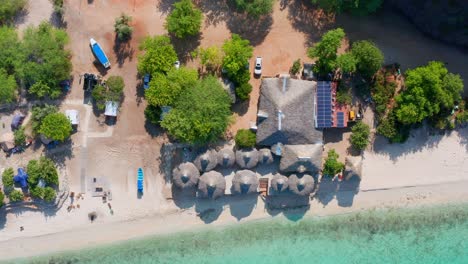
{"x": 99, "y": 53}
{"x": 140, "y": 180}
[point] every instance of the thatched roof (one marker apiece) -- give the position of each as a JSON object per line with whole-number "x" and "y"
{"x": 185, "y": 175}
{"x": 301, "y": 158}
{"x": 301, "y": 184}
{"x": 265, "y": 156}
{"x": 247, "y": 158}
{"x": 277, "y": 149}
{"x": 279, "y": 182}
{"x": 245, "y": 181}
{"x": 226, "y": 157}
{"x": 211, "y": 185}
{"x": 287, "y": 115}
{"x": 206, "y": 160}
{"x": 353, "y": 167}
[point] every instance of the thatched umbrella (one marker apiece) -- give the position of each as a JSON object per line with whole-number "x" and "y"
{"x": 226, "y": 157}
{"x": 264, "y": 156}
{"x": 206, "y": 161}
{"x": 301, "y": 184}
{"x": 185, "y": 175}
{"x": 247, "y": 158}
{"x": 245, "y": 181}
{"x": 279, "y": 182}
{"x": 211, "y": 185}
{"x": 353, "y": 167}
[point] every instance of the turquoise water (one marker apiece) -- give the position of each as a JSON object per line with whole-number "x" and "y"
{"x": 424, "y": 235}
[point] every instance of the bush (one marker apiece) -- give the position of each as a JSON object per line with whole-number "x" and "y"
{"x": 7, "y": 179}
{"x": 56, "y": 126}
{"x": 296, "y": 67}
{"x": 245, "y": 138}
{"x": 243, "y": 91}
{"x": 332, "y": 166}
{"x": 462, "y": 117}
{"x": 360, "y": 136}
{"x": 185, "y": 20}
{"x": 49, "y": 194}
{"x": 99, "y": 96}
{"x": 8, "y": 87}
{"x": 343, "y": 96}
{"x": 122, "y": 28}
{"x": 2, "y": 198}
{"x": 37, "y": 192}
{"x": 9, "y": 9}
{"x": 44, "y": 168}
{"x": 16, "y": 196}
{"x": 113, "y": 91}
{"x": 255, "y": 8}
{"x": 20, "y": 137}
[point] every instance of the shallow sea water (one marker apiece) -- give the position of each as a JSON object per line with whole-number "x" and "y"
{"x": 424, "y": 235}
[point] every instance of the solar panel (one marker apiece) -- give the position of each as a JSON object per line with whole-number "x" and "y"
{"x": 324, "y": 105}
{"x": 340, "y": 117}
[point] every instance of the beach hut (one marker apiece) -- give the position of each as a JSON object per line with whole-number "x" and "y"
{"x": 211, "y": 185}
{"x": 301, "y": 184}
{"x": 245, "y": 181}
{"x": 185, "y": 175}
{"x": 247, "y": 158}
{"x": 21, "y": 178}
{"x": 111, "y": 109}
{"x": 206, "y": 160}
{"x": 279, "y": 182}
{"x": 226, "y": 157}
{"x": 265, "y": 156}
{"x": 8, "y": 141}
{"x": 353, "y": 168}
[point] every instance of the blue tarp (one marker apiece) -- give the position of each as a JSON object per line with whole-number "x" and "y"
{"x": 21, "y": 178}
{"x": 140, "y": 180}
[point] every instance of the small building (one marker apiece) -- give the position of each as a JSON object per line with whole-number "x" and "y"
{"x": 111, "y": 109}
{"x": 73, "y": 116}
{"x": 301, "y": 158}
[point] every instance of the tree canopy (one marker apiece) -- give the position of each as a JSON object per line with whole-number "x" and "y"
{"x": 113, "y": 90}
{"x": 368, "y": 57}
{"x": 16, "y": 196}
{"x": 245, "y": 138}
{"x": 201, "y": 114}
{"x": 255, "y": 8}
{"x": 346, "y": 62}
{"x": 2, "y": 197}
{"x": 122, "y": 27}
{"x": 357, "y": 7}
{"x": 39, "y": 113}
{"x": 185, "y": 20}
{"x": 9, "y": 9}
{"x": 9, "y": 46}
{"x": 360, "y": 136}
{"x": 237, "y": 52}
{"x": 8, "y": 87}
{"x": 429, "y": 89}
{"x": 56, "y": 126}
{"x": 332, "y": 166}
{"x": 325, "y": 50}
{"x": 211, "y": 57}
{"x": 43, "y": 168}
{"x": 7, "y": 179}
{"x": 159, "y": 55}
{"x": 165, "y": 89}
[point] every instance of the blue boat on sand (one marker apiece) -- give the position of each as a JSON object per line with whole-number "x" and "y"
{"x": 140, "y": 178}
{"x": 101, "y": 56}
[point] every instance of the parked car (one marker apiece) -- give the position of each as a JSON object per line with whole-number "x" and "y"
{"x": 258, "y": 66}
{"x": 146, "y": 80}
{"x": 177, "y": 64}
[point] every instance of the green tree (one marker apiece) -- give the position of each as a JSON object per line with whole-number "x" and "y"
{"x": 20, "y": 137}
{"x": 8, "y": 87}
{"x": 245, "y": 138}
{"x": 357, "y": 7}
{"x": 2, "y": 198}
{"x": 185, "y": 20}
{"x": 211, "y": 57}
{"x": 346, "y": 62}
{"x": 153, "y": 114}
{"x": 164, "y": 90}
{"x": 201, "y": 114}
{"x": 254, "y": 8}
{"x": 42, "y": 90}
{"x": 368, "y": 56}
{"x": 44, "y": 169}
{"x": 9, "y": 47}
{"x": 99, "y": 96}
{"x": 332, "y": 166}
{"x": 37, "y": 192}
{"x": 360, "y": 136}
{"x": 9, "y": 9}
{"x": 325, "y": 50}
{"x": 16, "y": 196}
{"x": 56, "y": 127}
{"x": 122, "y": 27}
{"x": 7, "y": 179}
{"x": 159, "y": 55}
{"x": 43, "y": 58}
{"x": 49, "y": 194}
{"x": 115, "y": 85}
{"x": 243, "y": 91}
{"x": 39, "y": 113}
{"x": 237, "y": 52}
{"x": 296, "y": 67}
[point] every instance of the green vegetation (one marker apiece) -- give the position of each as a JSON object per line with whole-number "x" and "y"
{"x": 42, "y": 169}
{"x": 360, "y": 136}
{"x": 153, "y": 114}
{"x": 346, "y": 62}
{"x": 9, "y": 44}
{"x": 296, "y": 67}
{"x": 211, "y": 58}
{"x": 237, "y": 52}
{"x": 159, "y": 55}
{"x": 56, "y": 126}
{"x": 245, "y": 138}
{"x": 332, "y": 166}
{"x": 254, "y": 8}
{"x": 49, "y": 194}
{"x": 112, "y": 91}
{"x": 185, "y": 20}
{"x": 8, "y": 87}
{"x": 201, "y": 114}
{"x": 58, "y": 6}
{"x": 16, "y": 196}
{"x": 325, "y": 50}
{"x": 164, "y": 90}
{"x": 368, "y": 57}
{"x": 9, "y": 9}
{"x": 243, "y": 91}
{"x": 20, "y": 137}
{"x": 7, "y": 179}
{"x": 122, "y": 27}
{"x": 358, "y": 7}
{"x": 343, "y": 96}
{"x": 383, "y": 91}
{"x": 2, "y": 198}
{"x": 39, "y": 113}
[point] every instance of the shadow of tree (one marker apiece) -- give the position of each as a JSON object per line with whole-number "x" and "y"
{"x": 240, "y": 108}
{"x": 209, "y": 210}
{"x": 253, "y": 29}
{"x": 185, "y": 46}
{"x": 123, "y": 50}
{"x": 61, "y": 153}
{"x": 57, "y": 20}
{"x": 241, "y": 206}
{"x": 20, "y": 17}
{"x": 215, "y": 11}
{"x": 165, "y": 6}
{"x": 326, "y": 190}
{"x": 347, "y": 190}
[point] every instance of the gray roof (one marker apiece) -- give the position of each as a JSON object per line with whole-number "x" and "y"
{"x": 301, "y": 184}
{"x": 245, "y": 181}
{"x": 211, "y": 185}
{"x": 185, "y": 175}
{"x": 296, "y": 105}
{"x": 226, "y": 157}
{"x": 247, "y": 158}
{"x": 206, "y": 160}
{"x": 279, "y": 182}
{"x": 302, "y": 158}
{"x": 265, "y": 156}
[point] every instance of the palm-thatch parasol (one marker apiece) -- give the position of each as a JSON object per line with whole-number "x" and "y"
{"x": 353, "y": 167}
{"x": 211, "y": 185}
{"x": 185, "y": 175}
{"x": 247, "y": 158}
{"x": 245, "y": 181}
{"x": 301, "y": 184}
{"x": 265, "y": 156}
{"x": 279, "y": 182}
{"x": 226, "y": 157}
{"x": 206, "y": 161}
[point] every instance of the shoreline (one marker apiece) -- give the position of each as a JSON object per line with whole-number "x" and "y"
{"x": 104, "y": 234}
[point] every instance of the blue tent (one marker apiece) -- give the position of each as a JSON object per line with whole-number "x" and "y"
{"x": 21, "y": 178}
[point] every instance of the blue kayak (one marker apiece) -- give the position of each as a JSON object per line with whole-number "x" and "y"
{"x": 97, "y": 50}
{"x": 140, "y": 180}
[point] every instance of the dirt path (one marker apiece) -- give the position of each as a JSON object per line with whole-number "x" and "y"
{"x": 37, "y": 11}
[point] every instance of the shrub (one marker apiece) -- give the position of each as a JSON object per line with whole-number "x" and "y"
{"x": 245, "y": 138}
{"x": 332, "y": 166}
{"x": 8, "y": 87}
{"x": 296, "y": 67}
{"x": 462, "y": 117}
{"x": 16, "y": 196}
{"x": 20, "y": 137}
{"x": 49, "y": 194}
{"x": 2, "y": 198}
{"x": 99, "y": 96}
{"x": 243, "y": 91}
{"x": 7, "y": 179}
{"x": 122, "y": 27}
{"x": 343, "y": 96}
{"x": 360, "y": 136}
{"x": 37, "y": 192}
